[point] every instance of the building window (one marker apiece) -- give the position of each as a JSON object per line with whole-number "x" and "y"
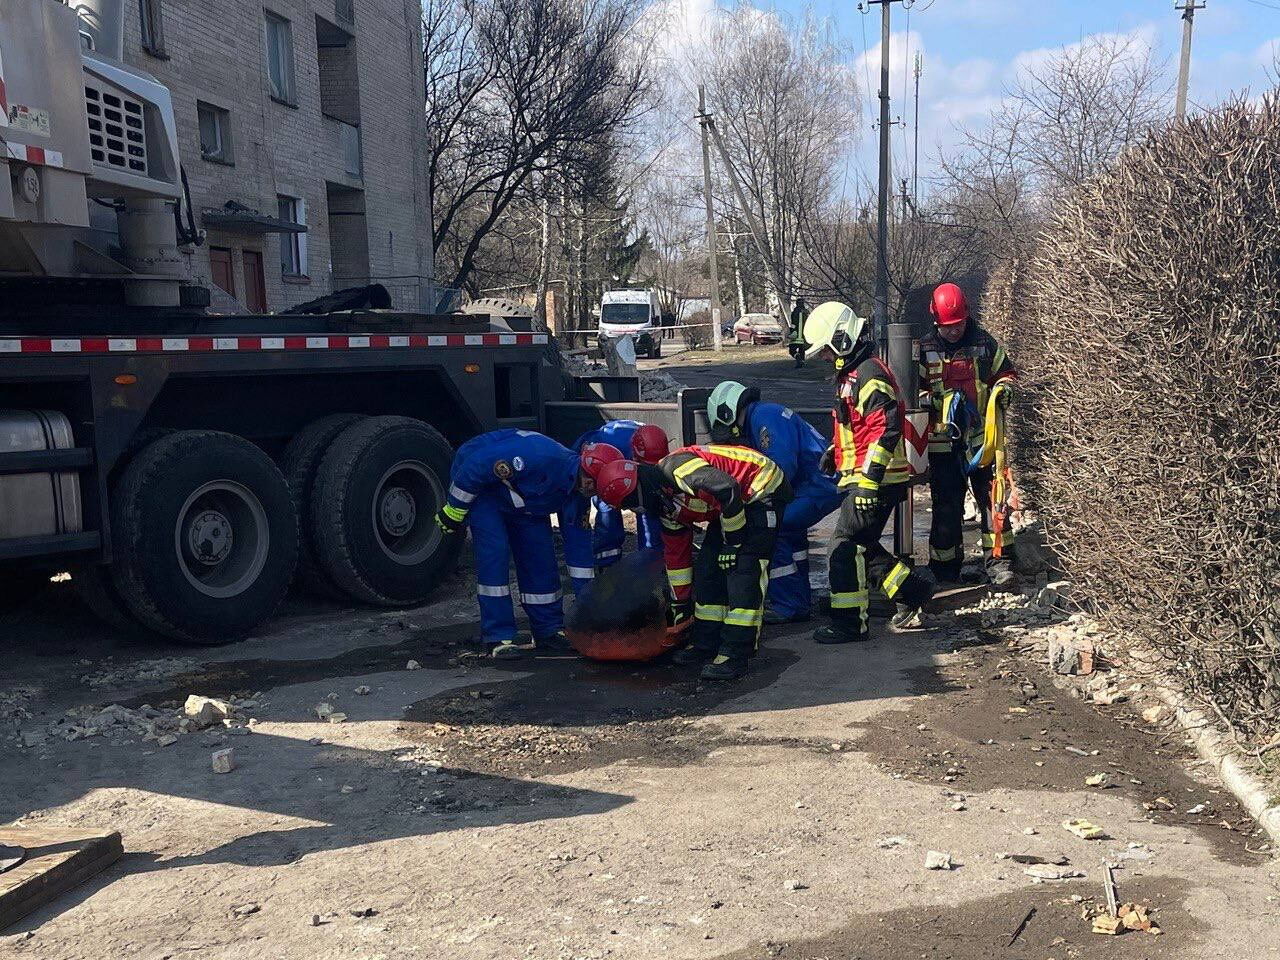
{"x": 293, "y": 246}
{"x": 215, "y": 132}
{"x": 152, "y": 27}
{"x": 279, "y": 40}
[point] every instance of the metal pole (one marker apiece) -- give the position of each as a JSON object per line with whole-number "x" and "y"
{"x": 915, "y": 166}
{"x": 1188, "y": 8}
{"x": 711, "y": 219}
{"x": 881, "y": 316}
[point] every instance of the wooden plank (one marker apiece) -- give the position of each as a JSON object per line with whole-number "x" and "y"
{"x": 57, "y": 861}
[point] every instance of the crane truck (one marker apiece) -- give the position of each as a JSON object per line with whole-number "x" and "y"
{"x": 186, "y": 467}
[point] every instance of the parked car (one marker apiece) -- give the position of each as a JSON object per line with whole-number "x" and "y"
{"x": 757, "y": 328}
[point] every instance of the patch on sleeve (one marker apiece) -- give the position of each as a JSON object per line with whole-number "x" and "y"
{"x": 502, "y": 470}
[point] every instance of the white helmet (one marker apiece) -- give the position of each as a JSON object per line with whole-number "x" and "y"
{"x": 833, "y": 324}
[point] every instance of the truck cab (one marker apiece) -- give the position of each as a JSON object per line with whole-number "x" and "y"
{"x": 635, "y": 313}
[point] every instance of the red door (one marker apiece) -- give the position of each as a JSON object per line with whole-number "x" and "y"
{"x": 220, "y": 269}
{"x": 255, "y": 282}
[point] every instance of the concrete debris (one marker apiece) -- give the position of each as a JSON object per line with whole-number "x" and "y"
{"x": 658, "y": 387}
{"x": 1071, "y": 656}
{"x": 1153, "y": 714}
{"x": 1098, "y": 780}
{"x": 1129, "y": 917}
{"x": 1055, "y": 594}
{"x": 796, "y": 885}
{"x": 888, "y": 843}
{"x": 362, "y": 691}
{"x": 1110, "y": 926}
{"x": 1045, "y": 871}
{"x": 1198, "y": 809}
{"x": 245, "y": 910}
{"x": 413, "y": 665}
{"x": 936, "y": 860}
{"x": 224, "y": 761}
{"x": 337, "y": 717}
{"x": 206, "y": 711}
{"x": 1084, "y": 829}
{"x": 324, "y": 710}
{"x": 108, "y": 674}
{"x": 1030, "y": 831}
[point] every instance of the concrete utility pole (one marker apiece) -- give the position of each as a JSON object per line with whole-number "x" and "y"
{"x": 915, "y": 163}
{"x": 896, "y": 337}
{"x": 757, "y": 229}
{"x": 705, "y": 120}
{"x": 1188, "y": 8}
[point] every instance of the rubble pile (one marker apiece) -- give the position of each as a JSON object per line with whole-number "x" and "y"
{"x": 657, "y": 387}
{"x": 162, "y": 725}
{"x": 109, "y": 674}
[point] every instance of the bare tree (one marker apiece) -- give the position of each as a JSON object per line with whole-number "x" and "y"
{"x": 1064, "y": 120}
{"x": 785, "y": 103}
{"x": 515, "y": 89}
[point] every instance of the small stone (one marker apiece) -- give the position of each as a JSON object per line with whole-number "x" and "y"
{"x": 413, "y": 665}
{"x": 1097, "y": 780}
{"x": 797, "y": 885}
{"x": 362, "y": 691}
{"x": 1030, "y": 831}
{"x": 315, "y": 919}
{"x": 204, "y": 711}
{"x": 936, "y": 860}
{"x": 1153, "y": 714}
{"x": 888, "y": 843}
{"x": 224, "y": 761}
{"x": 364, "y": 912}
{"x": 1084, "y": 829}
{"x": 1045, "y": 871}
{"x": 245, "y": 909}
{"x": 337, "y": 717}
{"x": 168, "y": 740}
{"x": 958, "y": 806}
{"x": 324, "y": 710}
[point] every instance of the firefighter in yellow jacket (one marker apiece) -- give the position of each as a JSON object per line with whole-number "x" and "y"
{"x": 869, "y": 457}
{"x": 966, "y": 381}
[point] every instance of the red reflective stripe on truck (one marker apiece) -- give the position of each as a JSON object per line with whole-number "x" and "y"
{"x": 262, "y": 343}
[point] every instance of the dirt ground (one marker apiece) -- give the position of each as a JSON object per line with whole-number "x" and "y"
{"x": 561, "y": 809}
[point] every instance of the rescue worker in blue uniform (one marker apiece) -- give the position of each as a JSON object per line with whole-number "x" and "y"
{"x": 644, "y": 443}
{"x": 505, "y": 485}
{"x": 737, "y": 416}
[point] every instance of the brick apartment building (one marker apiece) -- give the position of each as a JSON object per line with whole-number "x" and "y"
{"x": 301, "y": 129}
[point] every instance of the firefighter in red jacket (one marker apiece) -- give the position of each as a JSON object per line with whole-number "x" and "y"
{"x": 965, "y": 375}
{"x": 869, "y": 457}
{"x": 740, "y": 494}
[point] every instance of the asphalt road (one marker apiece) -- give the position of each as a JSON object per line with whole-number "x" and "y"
{"x": 768, "y": 367}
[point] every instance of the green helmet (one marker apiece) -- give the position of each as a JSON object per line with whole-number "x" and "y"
{"x": 727, "y": 410}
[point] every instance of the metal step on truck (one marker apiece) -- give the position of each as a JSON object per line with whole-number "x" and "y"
{"x": 187, "y": 468}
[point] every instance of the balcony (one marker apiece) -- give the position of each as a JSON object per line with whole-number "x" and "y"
{"x": 344, "y": 150}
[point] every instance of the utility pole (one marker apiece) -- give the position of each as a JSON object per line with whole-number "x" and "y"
{"x": 915, "y": 163}
{"x": 705, "y": 120}
{"x": 899, "y": 347}
{"x": 756, "y": 228}
{"x": 1188, "y": 8}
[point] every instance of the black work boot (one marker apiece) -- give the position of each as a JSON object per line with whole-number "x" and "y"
{"x": 553, "y": 643}
{"x": 692, "y": 656}
{"x": 725, "y": 668}
{"x": 946, "y": 571}
{"x": 912, "y": 597}
{"x": 837, "y": 632}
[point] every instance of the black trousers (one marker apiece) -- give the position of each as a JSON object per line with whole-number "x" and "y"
{"x": 947, "y": 485}
{"x": 728, "y": 606}
{"x": 858, "y": 561}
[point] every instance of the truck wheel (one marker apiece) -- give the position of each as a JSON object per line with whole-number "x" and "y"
{"x": 376, "y": 494}
{"x": 206, "y": 536}
{"x": 96, "y": 591}
{"x": 299, "y": 461}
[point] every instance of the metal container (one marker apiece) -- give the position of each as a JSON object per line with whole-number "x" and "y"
{"x": 37, "y": 504}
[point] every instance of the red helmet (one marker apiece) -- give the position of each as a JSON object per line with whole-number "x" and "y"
{"x": 649, "y": 444}
{"x": 948, "y": 305}
{"x": 594, "y": 456}
{"x": 616, "y": 481}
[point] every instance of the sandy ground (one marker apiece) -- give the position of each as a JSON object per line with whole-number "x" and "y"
{"x": 561, "y": 809}
{"x": 553, "y": 808}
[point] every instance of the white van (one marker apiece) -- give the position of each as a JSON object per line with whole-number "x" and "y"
{"x": 634, "y": 312}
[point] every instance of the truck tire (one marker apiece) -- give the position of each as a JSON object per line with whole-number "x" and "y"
{"x": 206, "y": 536}
{"x": 376, "y": 494}
{"x": 298, "y": 462}
{"x": 96, "y": 591}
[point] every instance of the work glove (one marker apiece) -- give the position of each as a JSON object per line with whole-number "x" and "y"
{"x": 679, "y": 612}
{"x": 728, "y": 558}
{"x": 1004, "y": 398}
{"x": 827, "y": 464}
{"x": 449, "y": 526}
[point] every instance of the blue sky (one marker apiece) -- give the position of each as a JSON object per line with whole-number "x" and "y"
{"x": 972, "y": 47}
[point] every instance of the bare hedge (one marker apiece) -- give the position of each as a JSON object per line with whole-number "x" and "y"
{"x": 1146, "y": 326}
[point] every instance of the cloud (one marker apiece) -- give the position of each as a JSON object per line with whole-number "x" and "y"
{"x": 997, "y": 11}
{"x": 1137, "y": 43}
